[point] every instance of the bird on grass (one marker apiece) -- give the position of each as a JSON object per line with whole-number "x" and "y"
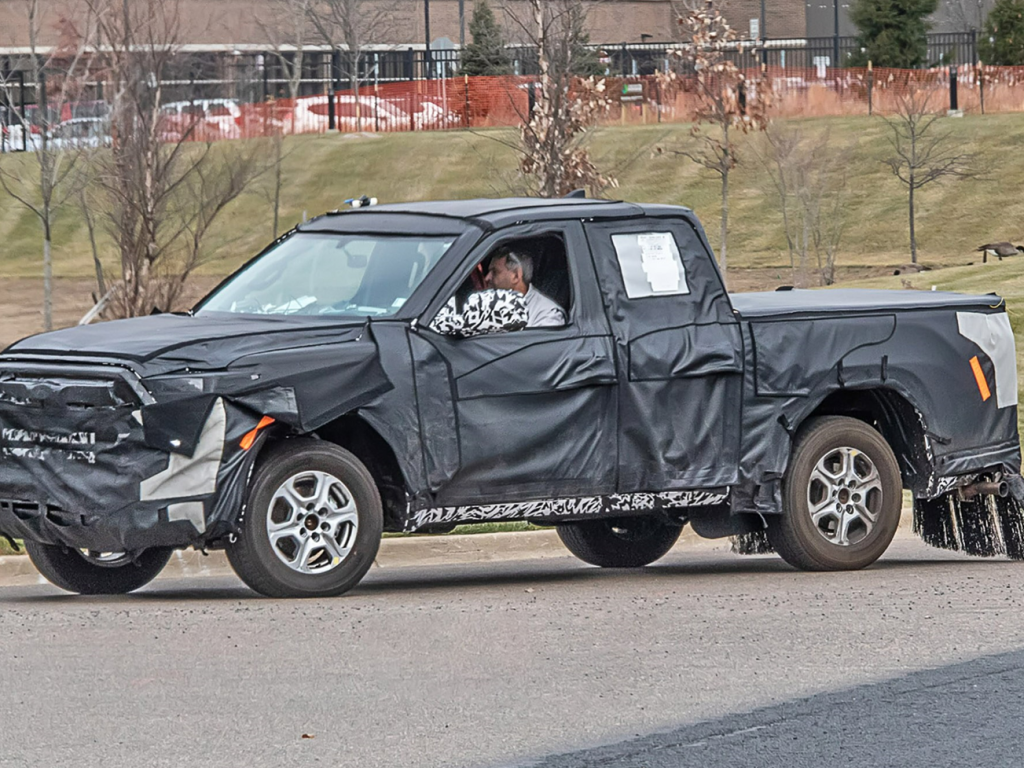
{"x": 1000, "y": 250}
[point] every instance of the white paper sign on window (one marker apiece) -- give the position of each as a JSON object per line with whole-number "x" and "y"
{"x": 650, "y": 264}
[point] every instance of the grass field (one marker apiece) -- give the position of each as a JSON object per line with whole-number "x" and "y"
{"x": 321, "y": 171}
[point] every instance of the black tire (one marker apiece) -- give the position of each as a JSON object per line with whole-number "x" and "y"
{"x": 624, "y": 542}
{"x": 819, "y": 546}
{"x": 255, "y": 559}
{"x": 69, "y": 569}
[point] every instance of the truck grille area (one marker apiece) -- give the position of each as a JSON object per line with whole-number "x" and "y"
{"x": 52, "y": 391}
{"x": 64, "y": 411}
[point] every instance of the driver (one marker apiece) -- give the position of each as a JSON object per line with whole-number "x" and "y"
{"x": 512, "y": 270}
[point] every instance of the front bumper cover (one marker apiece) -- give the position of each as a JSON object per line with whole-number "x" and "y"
{"x": 77, "y": 469}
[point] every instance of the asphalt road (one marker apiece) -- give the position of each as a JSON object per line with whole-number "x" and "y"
{"x": 705, "y": 659}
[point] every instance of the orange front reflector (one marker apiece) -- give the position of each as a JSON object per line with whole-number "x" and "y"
{"x": 266, "y": 421}
{"x": 979, "y": 376}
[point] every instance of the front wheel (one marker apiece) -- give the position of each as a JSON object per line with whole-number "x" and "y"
{"x": 842, "y": 497}
{"x": 627, "y": 542}
{"x": 313, "y": 522}
{"x": 97, "y": 573}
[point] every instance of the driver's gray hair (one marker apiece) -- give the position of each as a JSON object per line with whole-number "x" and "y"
{"x": 524, "y": 262}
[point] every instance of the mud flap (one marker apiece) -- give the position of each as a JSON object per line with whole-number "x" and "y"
{"x": 753, "y": 543}
{"x": 985, "y": 526}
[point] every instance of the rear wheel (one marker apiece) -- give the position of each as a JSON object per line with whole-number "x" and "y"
{"x": 842, "y": 497}
{"x": 97, "y": 573}
{"x": 313, "y": 522}
{"x": 627, "y": 542}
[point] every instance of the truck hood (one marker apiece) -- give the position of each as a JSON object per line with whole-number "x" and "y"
{"x": 300, "y": 371}
{"x": 164, "y": 343}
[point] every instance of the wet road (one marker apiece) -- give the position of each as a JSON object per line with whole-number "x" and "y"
{"x": 704, "y": 659}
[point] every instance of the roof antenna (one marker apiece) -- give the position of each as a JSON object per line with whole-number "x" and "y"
{"x": 577, "y": 193}
{"x": 361, "y": 202}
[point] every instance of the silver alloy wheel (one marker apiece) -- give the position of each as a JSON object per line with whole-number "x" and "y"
{"x": 106, "y": 559}
{"x": 844, "y": 496}
{"x": 312, "y": 522}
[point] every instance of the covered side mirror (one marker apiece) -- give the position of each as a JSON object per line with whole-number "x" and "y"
{"x": 490, "y": 311}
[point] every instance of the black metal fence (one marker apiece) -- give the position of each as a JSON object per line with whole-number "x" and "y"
{"x": 629, "y": 59}
{"x": 252, "y": 77}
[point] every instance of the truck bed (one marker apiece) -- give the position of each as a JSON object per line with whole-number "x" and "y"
{"x": 850, "y": 300}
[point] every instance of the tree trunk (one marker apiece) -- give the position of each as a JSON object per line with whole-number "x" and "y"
{"x": 353, "y": 80}
{"x": 913, "y": 236}
{"x": 725, "y": 220}
{"x": 802, "y": 272}
{"x": 101, "y": 284}
{"x": 278, "y": 142}
{"x": 47, "y": 273}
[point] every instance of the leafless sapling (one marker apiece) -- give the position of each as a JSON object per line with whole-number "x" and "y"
{"x": 58, "y": 77}
{"x": 349, "y": 26}
{"x": 555, "y": 132}
{"x": 158, "y": 192}
{"x": 727, "y": 103}
{"x": 287, "y": 26}
{"x": 808, "y": 174}
{"x": 921, "y": 152}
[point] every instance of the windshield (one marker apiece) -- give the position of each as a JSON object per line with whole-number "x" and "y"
{"x": 331, "y": 274}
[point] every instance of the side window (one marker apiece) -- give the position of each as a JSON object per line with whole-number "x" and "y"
{"x": 650, "y": 264}
{"x": 536, "y": 268}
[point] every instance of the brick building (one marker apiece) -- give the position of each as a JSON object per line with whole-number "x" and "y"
{"x": 222, "y": 23}
{"x": 230, "y": 34}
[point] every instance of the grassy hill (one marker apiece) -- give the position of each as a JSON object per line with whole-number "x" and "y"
{"x": 321, "y": 171}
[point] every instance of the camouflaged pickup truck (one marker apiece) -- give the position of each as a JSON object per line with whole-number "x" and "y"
{"x": 367, "y": 373}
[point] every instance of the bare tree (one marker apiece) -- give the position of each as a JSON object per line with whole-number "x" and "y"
{"x": 554, "y": 158}
{"x": 780, "y": 160}
{"x": 158, "y": 192}
{"x": 352, "y": 25}
{"x": 86, "y": 206}
{"x": 964, "y": 15}
{"x": 808, "y": 174}
{"x": 921, "y": 152}
{"x": 727, "y": 103}
{"x": 287, "y": 27}
{"x": 58, "y": 79}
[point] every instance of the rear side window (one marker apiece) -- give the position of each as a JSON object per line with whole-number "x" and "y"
{"x": 650, "y": 264}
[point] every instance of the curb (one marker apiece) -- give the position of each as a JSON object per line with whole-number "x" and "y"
{"x": 18, "y": 570}
{"x": 451, "y": 549}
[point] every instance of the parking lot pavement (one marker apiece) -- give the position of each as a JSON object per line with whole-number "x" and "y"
{"x": 957, "y": 715}
{"x": 508, "y": 663}
{"x": 398, "y": 552}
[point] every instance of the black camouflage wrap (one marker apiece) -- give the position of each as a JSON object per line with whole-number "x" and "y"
{"x": 131, "y": 434}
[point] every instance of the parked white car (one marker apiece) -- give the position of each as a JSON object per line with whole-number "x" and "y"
{"x": 82, "y": 132}
{"x": 432, "y": 113}
{"x": 206, "y": 119}
{"x": 77, "y": 133}
{"x": 374, "y": 114}
{"x": 11, "y": 138}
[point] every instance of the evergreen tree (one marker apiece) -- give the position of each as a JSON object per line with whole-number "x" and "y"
{"x": 486, "y": 54}
{"x": 586, "y": 60}
{"x": 893, "y": 33}
{"x": 1002, "y": 43}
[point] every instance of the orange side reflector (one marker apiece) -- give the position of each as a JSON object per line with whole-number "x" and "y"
{"x": 979, "y": 376}
{"x": 266, "y": 421}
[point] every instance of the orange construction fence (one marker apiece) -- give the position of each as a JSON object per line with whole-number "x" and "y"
{"x": 483, "y": 102}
